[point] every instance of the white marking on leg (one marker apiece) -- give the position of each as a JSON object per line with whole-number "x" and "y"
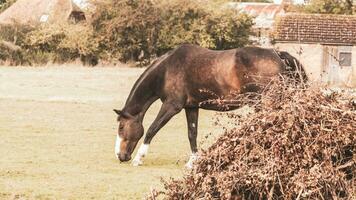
{"x": 191, "y": 161}
{"x": 193, "y": 125}
{"x": 117, "y": 145}
{"x": 142, "y": 152}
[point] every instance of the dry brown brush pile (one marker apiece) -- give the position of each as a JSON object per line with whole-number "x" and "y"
{"x": 298, "y": 146}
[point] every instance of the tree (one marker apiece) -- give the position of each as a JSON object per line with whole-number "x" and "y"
{"x": 2, "y": 2}
{"x": 140, "y": 29}
{"x": 5, "y": 4}
{"x": 328, "y": 7}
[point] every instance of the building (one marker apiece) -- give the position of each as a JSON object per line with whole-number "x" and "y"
{"x": 325, "y": 45}
{"x": 264, "y": 17}
{"x": 33, "y": 12}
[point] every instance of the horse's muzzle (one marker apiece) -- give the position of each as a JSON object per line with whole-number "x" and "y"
{"x": 124, "y": 157}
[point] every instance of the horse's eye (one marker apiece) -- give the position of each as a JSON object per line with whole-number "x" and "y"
{"x": 121, "y": 128}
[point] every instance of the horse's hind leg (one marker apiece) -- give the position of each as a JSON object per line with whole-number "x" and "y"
{"x": 167, "y": 111}
{"x": 192, "y": 121}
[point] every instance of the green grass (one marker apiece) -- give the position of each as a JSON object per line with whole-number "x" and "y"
{"x": 58, "y": 132}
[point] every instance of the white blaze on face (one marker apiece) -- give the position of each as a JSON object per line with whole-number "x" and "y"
{"x": 117, "y": 145}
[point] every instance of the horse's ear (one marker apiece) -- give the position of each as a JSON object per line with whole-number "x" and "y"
{"x": 118, "y": 112}
{"x": 123, "y": 114}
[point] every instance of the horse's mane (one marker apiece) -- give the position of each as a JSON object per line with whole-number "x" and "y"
{"x": 147, "y": 72}
{"x": 292, "y": 65}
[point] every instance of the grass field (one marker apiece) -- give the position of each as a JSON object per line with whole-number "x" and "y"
{"x": 58, "y": 132}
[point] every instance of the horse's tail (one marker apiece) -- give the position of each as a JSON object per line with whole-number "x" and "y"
{"x": 292, "y": 66}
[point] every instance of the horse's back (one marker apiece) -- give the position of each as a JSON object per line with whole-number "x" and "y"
{"x": 231, "y": 69}
{"x": 198, "y": 73}
{"x": 192, "y": 58}
{"x": 259, "y": 61}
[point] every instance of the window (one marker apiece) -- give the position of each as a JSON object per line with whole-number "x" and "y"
{"x": 345, "y": 59}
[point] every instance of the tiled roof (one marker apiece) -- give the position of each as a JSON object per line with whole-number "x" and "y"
{"x": 316, "y": 28}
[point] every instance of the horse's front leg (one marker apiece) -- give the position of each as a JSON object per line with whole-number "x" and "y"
{"x": 192, "y": 121}
{"x": 167, "y": 111}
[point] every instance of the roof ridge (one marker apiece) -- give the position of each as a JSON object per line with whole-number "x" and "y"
{"x": 319, "y": 14}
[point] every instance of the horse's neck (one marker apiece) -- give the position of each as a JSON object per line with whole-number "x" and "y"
{"x": 139, "y": 108}
{"x": 140, "y": 98}
{"x": 143, "y": 93}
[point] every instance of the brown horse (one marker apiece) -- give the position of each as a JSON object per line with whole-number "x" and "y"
{"x": 177, "y": 79}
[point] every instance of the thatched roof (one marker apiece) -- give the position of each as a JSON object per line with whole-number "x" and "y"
{"x": 37, "y": 11}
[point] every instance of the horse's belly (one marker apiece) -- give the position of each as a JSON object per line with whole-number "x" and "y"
{"x": 217, "y": 107}
{"x": 213, "y": 84}
{"x": 208, "y": 96}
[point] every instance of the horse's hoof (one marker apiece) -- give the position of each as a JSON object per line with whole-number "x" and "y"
{"x": 136, "y": 163}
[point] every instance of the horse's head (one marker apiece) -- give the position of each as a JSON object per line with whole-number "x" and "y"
{"x": 129, "y": 133}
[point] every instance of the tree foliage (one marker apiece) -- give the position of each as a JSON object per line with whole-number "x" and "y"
{"x": 65, "y": 42}
{"x": 133, "y": 30}
{"x": 215, "y": 29}
{"x": 12, "y": 39}
{"x": 328, "y": 7}
{"x": 5, "y": 4}
{"x": 58, "y": 43}
{"x": 139, "y": 29}
{"x": 126, "y": 27}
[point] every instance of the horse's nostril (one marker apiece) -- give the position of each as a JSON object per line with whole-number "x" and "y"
{"x": 121, "y": 158}
{"x": 124, "y": 157}
{"x": 128, "y": 158}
